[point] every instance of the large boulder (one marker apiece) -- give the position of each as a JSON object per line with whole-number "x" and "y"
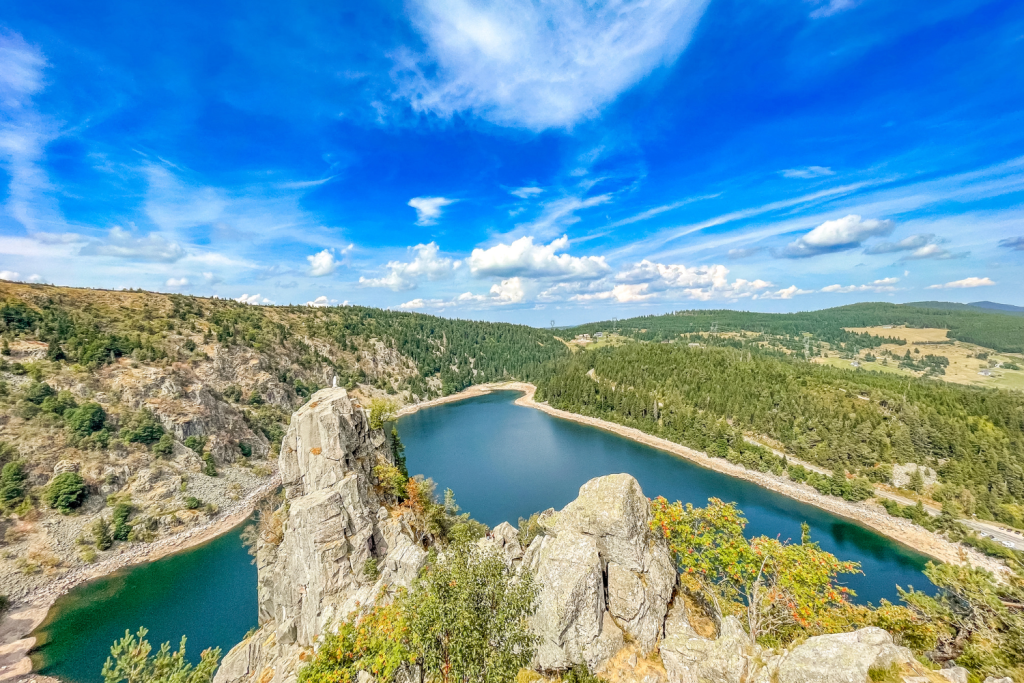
{"x": 842, "y": 657}
{"x": 691, "y": 658}
{"x": 603, "y": 575}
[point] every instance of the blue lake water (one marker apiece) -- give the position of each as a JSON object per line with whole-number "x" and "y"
{"x": 505, "y": 461}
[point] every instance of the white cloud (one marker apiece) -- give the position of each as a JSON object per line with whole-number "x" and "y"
{"x": 538, "y": 65}
{"x": 525, "y": 192}
{"x": 212, "y": 278}
{"x": 808, "y": 172}
{"x": 921, "y": 246}
{"x": 10, "y": 275}
{"x": 177, "y": 282}
{"x": 428, "y": 209}
{"x": 508, "y": 291}
{"x": 883, "y": 285}
{"x": 744, "y": 253}
{"x": 322, "y": 263}
{"x": 833, "y": 7}
{"x": 35, "y": 277}
{"x": 559, "y": 214}
{"x": 966, "y": 283}
{"x": 524, "y": 258}
{"x": 647, "y": 280}
{"x": 428, "y": 263}
{"x": 787, "y": 293}
{"x": 319, "y": 302}
{"x": 253, "y": 299}
{"x": 126, "y": 244}
{"x": 837, "y": 235}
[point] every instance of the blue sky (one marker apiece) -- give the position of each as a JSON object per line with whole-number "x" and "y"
{"x": 518, "y": 160}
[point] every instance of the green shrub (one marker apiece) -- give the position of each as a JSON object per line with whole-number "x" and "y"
{"x": 12, "y": 485}
{"x": 37, "y": 392}
{"x": 101, "y": 534}
{"x": 142, "y": 427}
{"x": 122, "y": 511}
{"x": 66, "y": 492}
{"x": 210, "y": 466}
{"x": 246, "y": 449}
{"x": 391, "y": 480}
{"x": 193, "y": 503}
{"x": 26, "y": 410}
{"x": 59, "y": 404}
{"x": 86, "y": 419}
{"x": 165, "y": 446}
{"x": 233, "y": 394}
{"x": 196, "y": 443}
{"x": 370, "y": 570}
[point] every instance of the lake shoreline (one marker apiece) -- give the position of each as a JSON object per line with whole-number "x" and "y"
{"x": 869, "y": 515}
{"x": 18, "y": 624}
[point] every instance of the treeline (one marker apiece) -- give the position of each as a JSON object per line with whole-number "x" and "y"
{"x": 855, "y": 423}
{"x": 993, "y": 330}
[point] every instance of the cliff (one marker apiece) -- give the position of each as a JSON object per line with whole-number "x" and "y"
{"x": 607, "y": 586}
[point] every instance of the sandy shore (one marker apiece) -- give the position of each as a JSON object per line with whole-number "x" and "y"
{"x": 15, "y": 641}
{"x": 866, "y": 514}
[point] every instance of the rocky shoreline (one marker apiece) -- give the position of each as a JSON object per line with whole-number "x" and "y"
{"x": 15, "y": 641}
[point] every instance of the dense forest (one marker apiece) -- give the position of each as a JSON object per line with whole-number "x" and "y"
{"x": 847, "y": 422}
{"x": 991, "y": 329}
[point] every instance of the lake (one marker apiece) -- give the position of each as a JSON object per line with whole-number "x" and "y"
{"x": 503, "y": 462}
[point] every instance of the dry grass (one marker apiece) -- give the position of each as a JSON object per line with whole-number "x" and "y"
{"x": 963, "y": 363}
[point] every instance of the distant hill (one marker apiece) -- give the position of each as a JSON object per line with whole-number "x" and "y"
{"x": 993, "y": 306}
{"x": 986, "y": 306}
{"x": 992, "y": 329}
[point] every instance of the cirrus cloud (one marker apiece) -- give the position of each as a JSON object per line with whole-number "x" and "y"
{"x": 538, "y": 65}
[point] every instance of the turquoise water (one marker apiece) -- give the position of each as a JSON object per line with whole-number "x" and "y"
{"x": 207, "y": 593}
{"x": 506, "y": 461}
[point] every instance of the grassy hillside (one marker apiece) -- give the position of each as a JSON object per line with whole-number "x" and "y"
{"x": 985, "y": 328}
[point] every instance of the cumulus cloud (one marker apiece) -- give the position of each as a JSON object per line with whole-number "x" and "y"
{"x": 647, "y": 280}
{"x": 523, "y": 258}
{"x": 126, "y": 244}
{"x": 525, "y": 192}
{"x": 840, "y": 234}
{"x": 808, "y": 172}
{"x": 883, "y": 285}
{"x": 538, "y": 65}
{"x": 322, "y": 263}
{"x": 428, "y": 263}
{"x": 1016, "y": 243}
{"x": 966, "y": 283}
{"x": 10, "y": 275}
{"x": 177, "y": 282}
{"x": 253, "y": 299}
{"x": 509, "y": 291}
{"x": 320, "y": 302}
{"x": 428, "y": 209}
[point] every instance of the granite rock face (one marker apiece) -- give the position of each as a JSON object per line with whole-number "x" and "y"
{"x": 603, "y": 576}
{"x": 335, "y": 522}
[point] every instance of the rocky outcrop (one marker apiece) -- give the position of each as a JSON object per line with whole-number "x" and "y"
{"x": 335, "y": 522}
{"x": 603, "y": 576}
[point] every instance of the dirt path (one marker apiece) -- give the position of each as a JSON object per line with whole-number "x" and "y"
{"x": 867, "y": 514}
{"x": 16, "y": 625}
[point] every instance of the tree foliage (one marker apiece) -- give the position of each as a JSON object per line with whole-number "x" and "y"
{"x": 132, "y": 660}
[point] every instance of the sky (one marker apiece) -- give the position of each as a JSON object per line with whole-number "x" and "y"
{"x": 518, "y": 160}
